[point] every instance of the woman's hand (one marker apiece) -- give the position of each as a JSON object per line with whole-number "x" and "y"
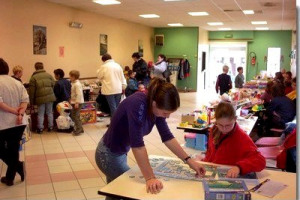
{"x": 153, "y": 186}
{"x": 19, "y": 119}
{"x": 233, "y": 172}
{"x": 200, "y": 170}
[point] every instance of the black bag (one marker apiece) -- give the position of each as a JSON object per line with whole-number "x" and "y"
{"x": 167, "y": 73}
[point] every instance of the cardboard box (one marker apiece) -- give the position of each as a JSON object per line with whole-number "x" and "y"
{"x": 190, "y": 118}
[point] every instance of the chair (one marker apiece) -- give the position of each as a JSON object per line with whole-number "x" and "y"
{"x": 270, "y": 152}
{"x": 268, "y": 141}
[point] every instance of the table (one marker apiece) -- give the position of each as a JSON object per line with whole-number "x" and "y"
{"x": 177, "y": 189}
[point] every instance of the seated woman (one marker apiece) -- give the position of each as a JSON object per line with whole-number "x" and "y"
{"x": 228, "y": 144}
{"x": 267, "y": 96}
{"x": 281, "y": 109}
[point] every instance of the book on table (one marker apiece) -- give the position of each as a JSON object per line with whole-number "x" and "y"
{"x": 226, "y": 190}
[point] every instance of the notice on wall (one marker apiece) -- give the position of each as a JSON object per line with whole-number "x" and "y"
{"x": 61, "y": 51}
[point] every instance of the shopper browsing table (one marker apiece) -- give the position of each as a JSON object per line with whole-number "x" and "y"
{"x": 135, "y": 118}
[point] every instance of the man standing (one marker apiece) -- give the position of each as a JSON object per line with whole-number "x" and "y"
{"x": 140, "y": 67}
{"x": 41, "y": 94}
{"x": 113, "y": 81}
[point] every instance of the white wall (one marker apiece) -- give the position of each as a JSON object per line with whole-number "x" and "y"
{"x": 203, "y": 46}
{"x": 17, "y": 18}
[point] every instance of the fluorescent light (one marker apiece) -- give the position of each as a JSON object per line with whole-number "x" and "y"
{"x": 149, "y": 16}
{"x": 248, "y": 12}
{"x": 175, "y": 24}
{"x": 198, "y": 13}
{"x": 224, "y": 29}
{"x": 107, "y": 2}
{"x": 215, "y": 23}
{"x": 259, "y": 22}
{"x": 262, "y": 28}
{"x": 174, "y": 0}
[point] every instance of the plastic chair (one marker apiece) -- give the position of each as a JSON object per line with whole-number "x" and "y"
{"x": 268, "y": 141}
{"x": 270, "y": 152}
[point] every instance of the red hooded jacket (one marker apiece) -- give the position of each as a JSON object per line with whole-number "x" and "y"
{"x": 236, "y": 149}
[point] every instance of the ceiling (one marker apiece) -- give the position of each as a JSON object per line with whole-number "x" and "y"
{"x": 279, "y": 14}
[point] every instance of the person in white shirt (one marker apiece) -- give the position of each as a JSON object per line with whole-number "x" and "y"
{"x": 113, "y": 81}
{"x": 76, "y": 101}
{"x": 13, "y": 103}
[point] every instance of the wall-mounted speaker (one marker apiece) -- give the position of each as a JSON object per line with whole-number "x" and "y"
{"x": 75, "y": 25}
{"x": 159, "y": 40}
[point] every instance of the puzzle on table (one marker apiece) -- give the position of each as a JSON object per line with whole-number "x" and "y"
{"x": 177, "y": 169}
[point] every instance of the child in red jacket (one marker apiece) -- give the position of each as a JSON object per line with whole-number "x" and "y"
{"x": 228, "y": 144}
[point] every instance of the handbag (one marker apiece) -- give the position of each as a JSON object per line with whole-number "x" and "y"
{"x": 167, "y": 73}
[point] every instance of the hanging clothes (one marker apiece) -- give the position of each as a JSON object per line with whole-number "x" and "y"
{"x": 184, "y": 69}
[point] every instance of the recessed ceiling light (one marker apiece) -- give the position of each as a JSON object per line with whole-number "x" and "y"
{"x": 174, "y": 0}
{"x": 198, "y": 13}
{"x": 175, "y": 24}
{"x": 259, "y": 22}
{"x": 215, "y": 23}
{"x": 224, "y": 29}
{"x": 248, "y": 12}
{"x": 149, "y": 16}
{"x": 262, "y": 28}
{"x": 107, "y": 2}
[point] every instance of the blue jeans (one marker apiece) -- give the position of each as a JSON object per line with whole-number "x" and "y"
{"x": 113, "y": 102}
{"x": 111, "y": 164}
{"x": 41, "y": 113}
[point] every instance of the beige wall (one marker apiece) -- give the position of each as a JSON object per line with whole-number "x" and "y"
{"x": 203, "y": 46}
{"x": 17, "y": 18}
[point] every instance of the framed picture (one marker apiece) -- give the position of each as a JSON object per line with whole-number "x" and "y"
{"x": 140, "y": 48}
{"x": 39, "y": 40}
{"x": 103, "y": 44}
{"x": 159, "y": 40}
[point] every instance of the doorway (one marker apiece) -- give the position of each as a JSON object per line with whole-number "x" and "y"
{"x": 233, "y": 54}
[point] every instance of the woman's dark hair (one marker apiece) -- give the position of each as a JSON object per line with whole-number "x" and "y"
{"x": 163, "y": 57}
{"x": 136, "y": 55}
{"x": 278, "y": 90}
{"x": 269, "y": 87}
{"x": 287, "y": 83}
{"x": 38, "y": 65}
{"x": 126, "y": 68}
{"x": 289, "y": 74}
{"x": 59, "y": 72}
{"x": 164, "y": 94}
{"x": 4, "y": 69}
{"x": 279, "y": 77}
{"x": 106, "y": 57}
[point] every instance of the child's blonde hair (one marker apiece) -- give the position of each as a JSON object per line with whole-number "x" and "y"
{"x": 75, "y": 74}
{"x": 17, "y": 69}
{"x": 223, "y": 110}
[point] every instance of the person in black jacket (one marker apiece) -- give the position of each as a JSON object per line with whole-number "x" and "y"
{"x": 224, "y": 83}
{"x": 62, "y": 87}
{"x": 140, "y": 67}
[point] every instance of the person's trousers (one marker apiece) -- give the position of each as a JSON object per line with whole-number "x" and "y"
{"x": 75, "y": 116}
{"x": 48, "y": 108}
{"x": 113, "y": 102}
{"x": 9, "y": 149}
{"x": 111, "y": 164}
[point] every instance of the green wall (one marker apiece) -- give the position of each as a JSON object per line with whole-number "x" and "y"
{"x": 262, "y": 41}
{"x": 259, "y": 43}
{"x": 179, "y": 42}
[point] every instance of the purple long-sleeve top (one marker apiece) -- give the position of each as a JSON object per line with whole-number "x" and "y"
{"x": 131, "y": 123}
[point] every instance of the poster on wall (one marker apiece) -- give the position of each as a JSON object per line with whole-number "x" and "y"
{"x": 140, "y": 47}
{"x": 61, "y": 51}
{"x": 103, "y": 44}
{"x": 39, "y": 40}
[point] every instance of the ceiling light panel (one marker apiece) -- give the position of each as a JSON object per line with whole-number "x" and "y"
{"x": 224, "y": 29}
{"x": 175, "y": 24}
{"x": 107, "y": 2}
{"x": 262, "y": 28}
{"x": 198, "y": 13}
{"x": 149, "y": 16}
{"x": 258, "y": 22}
{"x": 248, "y": 12}
{"x": 215, "y": 23}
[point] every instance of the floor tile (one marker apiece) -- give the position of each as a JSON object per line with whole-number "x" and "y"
{"x": 66, "y": 185}
{"x": 49, "y": 196}
{"x": 81, "y": 167}
{"x": 60, "y": 169}
{"x": 92, "y": 193}
{"x": 40, "y": 189}
{"x": 34, "y": 158}
{"x": 72, "y": 194}
{"x": 91, "y": 182}
{"x": 15, "y": 191}
{"x": 86, "y": 174}
{"x": 79, "y": 160}
{"x": 65, "y": 176}
{"x": 55, "y": 156}
{"x": 35, "y": 180}
{"x": 58, "y": 162}
{"x": 75, "y": 154}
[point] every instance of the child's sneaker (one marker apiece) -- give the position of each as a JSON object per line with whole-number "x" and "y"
{"x": 78, "y": 132}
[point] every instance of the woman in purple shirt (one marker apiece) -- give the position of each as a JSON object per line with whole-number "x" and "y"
{"x": 135, "y": 118}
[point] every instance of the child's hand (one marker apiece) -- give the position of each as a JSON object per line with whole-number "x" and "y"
{"x": 154, "y": 186}
{"x": 233, "y": 172}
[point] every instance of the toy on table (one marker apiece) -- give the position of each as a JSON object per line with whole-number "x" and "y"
{"x": 201, "y": 122}
{"x": 64, "y": 122}
{"x": 183, "y": 124}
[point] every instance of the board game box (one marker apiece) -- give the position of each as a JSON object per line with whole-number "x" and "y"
{"x": 226, "y": 190}
{"x": 249, "y": 178}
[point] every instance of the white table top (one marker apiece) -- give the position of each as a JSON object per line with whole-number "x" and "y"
{"x": 184, "y": 189}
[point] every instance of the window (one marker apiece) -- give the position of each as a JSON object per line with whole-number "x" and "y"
{"x": 273, "y": 63}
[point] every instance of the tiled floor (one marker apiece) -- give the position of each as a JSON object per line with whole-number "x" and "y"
{"x": 61, "y": 166}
